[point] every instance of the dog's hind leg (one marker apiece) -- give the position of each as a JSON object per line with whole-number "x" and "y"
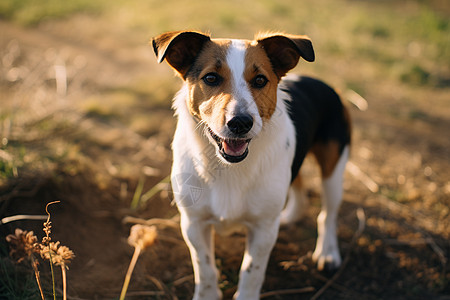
{"x": 297, "y": 203}
{"x": 332, "y": 166}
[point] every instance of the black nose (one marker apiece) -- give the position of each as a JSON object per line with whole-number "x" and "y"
{"x": 240, "y": 124}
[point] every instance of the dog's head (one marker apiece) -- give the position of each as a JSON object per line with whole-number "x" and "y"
{"x": 232, "y": 84}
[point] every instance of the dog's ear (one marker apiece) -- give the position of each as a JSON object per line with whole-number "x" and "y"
{"x": 284, "y": 50}
{"x": 179, "y": 48}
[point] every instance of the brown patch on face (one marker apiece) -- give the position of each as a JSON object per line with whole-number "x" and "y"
{"x": 207, "y": 102}
{"x": 327, "y": 155}
{"x": 257, "y": 63}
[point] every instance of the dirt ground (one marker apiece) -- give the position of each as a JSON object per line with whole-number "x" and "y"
{"x": 399, "y": 177}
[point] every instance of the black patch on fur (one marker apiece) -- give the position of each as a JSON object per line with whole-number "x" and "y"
{"x": 318, "y": 116}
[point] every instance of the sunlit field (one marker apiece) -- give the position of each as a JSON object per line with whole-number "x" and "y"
{"x": 86, "y": 119}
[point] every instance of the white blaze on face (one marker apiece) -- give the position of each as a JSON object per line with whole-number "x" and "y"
{"x": 243, "y": 102}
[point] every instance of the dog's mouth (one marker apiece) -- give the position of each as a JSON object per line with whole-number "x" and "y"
{"x": 232, "y": 150}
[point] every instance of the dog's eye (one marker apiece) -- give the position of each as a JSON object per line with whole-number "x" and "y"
{"x": 212, "y": 79}
{"x": 259, "y": 81}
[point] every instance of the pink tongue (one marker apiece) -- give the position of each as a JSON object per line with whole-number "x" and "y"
{"x": 234, "y": 147}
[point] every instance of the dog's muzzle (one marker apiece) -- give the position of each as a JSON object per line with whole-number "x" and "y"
{"x": 234, "y": 150}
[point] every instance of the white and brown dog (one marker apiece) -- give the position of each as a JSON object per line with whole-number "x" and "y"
{"x": 241, "y": 138}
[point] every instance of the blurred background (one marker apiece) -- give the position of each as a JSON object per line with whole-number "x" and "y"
{"x": 85, "y": 118}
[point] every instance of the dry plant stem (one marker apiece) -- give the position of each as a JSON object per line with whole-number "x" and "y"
{"x": 363, "y": 177}
{"x": 162, "y": 287}
{"x": 150, "y": 222}
{"x": 63, "y": 272}
{"x": 36, "y": 273}
{"x": 182, "y": 280}
{"x": 48, "y": 244}
{"x": 137, "y": 251}
{"x": 21, "y": 217}
{"x": 53, "y": 274}
{"x": 288, "y": 292}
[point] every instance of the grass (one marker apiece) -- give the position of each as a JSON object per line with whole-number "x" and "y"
{"x": 7, "y": 170}
{"x": 32, "y": 12}
{"x": 25, "y": 248}
{"x": 16, "y": 281}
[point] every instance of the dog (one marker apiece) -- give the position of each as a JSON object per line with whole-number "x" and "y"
{"x": 243, "y": 131}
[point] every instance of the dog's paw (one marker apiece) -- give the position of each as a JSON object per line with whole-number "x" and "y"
{"x": 328, "y": 261}
{"x": 208, "y": 295}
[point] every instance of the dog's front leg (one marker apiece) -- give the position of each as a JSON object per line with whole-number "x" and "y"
{"x": 260, "y": 240}
{"x": 200, "y": 240}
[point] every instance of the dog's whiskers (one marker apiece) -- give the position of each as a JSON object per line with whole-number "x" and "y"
{"x": 202, "y": 126}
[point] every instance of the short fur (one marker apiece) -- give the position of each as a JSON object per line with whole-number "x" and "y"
{"x": 240, "y": 141}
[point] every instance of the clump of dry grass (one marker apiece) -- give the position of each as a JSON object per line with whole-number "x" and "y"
{"x": 22, "y": 244}
{"x": 141, "y": 237}
{"x": 25, "y": 246}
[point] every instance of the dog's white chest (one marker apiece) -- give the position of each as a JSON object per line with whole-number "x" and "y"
{"x": 255, "y": 189}
{"x": 226, "y": 200}
{"x": 233, "y": 198}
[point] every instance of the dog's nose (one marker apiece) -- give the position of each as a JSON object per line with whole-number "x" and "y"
{"x": 240, "y": 124}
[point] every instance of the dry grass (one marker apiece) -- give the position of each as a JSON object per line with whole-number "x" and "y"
{"x": 25, "y": 246}
{"x": 141, "y": 237}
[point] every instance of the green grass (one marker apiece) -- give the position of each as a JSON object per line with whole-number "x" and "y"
{"x": 31, "y": 12}
{"x": 406, "y": 36}
{"x": 405, "y": 42}
{"x": 7, "y": 170}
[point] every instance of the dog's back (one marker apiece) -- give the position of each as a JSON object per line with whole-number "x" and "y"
{"x": 317, "y": 113}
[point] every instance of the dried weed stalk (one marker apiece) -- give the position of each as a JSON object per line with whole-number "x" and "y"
{"x": 60, "y": 256}
{"x": 24, "y": 245}
{"x": 141, "y": 237}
